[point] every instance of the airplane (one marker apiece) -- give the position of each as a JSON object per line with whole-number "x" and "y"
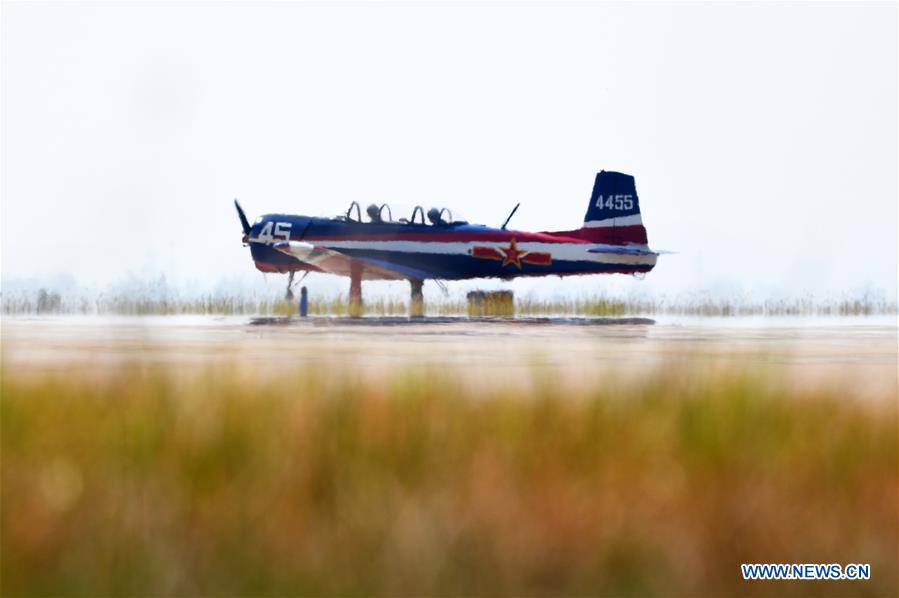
{"x": 612, "y": 240}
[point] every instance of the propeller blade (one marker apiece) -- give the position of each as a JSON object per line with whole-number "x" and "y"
{"x": 243, "y": 218}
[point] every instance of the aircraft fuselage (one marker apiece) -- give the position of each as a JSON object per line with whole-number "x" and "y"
{"x": 454, "y": 251}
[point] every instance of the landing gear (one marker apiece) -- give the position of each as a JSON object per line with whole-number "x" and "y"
{"x": 289, "y": 295}
{"x": 417, "y": 300}
{"x": 355, "y": 306}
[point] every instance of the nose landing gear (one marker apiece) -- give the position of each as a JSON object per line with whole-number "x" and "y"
{"x": 288, "y": 296}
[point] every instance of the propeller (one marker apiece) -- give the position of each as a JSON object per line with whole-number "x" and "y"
{"x": 245, "y": 224}
{"x": 243, "y": 221}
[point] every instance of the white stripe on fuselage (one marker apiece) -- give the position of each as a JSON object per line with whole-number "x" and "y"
{"x": 570, "y": 252}
{"x": 634, "y": 220}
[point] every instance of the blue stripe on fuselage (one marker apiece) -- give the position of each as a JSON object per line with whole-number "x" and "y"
{"x": 264, "y": 253}
{"x": 304, "y": 226}
{"x": 460, "y": 267}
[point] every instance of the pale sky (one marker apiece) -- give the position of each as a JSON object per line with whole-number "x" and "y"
{"x": 763, "y": 136}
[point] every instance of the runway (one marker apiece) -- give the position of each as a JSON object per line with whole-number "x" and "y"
{"x": 858, "y": 354}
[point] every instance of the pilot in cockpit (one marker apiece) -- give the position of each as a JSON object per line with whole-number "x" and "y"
{"x": 435, "y": 215}
{"x": 374, "y": 213}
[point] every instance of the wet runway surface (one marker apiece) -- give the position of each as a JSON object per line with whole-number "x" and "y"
{"x": 448, "y": 320}
{"x": 858, "y": 353}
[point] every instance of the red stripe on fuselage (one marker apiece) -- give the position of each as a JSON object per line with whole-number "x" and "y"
{"x": 537, "y": 258}
{"x": 449, "y": 237}
{"x": 611, "y": 235}
{"x": 617, "y": 235}
{"x": 486, "y": 253}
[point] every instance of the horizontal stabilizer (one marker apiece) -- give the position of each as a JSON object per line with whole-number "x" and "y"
{"x": 623, "y": 249}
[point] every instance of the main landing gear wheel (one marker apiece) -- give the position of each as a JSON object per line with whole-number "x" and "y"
{"x": 355, "y": 306}
{"x": 417, "y": 300}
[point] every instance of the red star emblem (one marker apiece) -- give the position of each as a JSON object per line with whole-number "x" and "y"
{"x": 512, "y": 254}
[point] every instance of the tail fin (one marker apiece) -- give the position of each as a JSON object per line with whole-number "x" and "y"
{"x": 613, "y": 216}
{"x": 614, "y": 201}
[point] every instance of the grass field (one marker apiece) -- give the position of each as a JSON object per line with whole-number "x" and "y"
{"x": 149, "y": 480}
{"x": 589, "y": 305}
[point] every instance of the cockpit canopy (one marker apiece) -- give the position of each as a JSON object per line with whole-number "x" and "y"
{"x": 382, "y": 213}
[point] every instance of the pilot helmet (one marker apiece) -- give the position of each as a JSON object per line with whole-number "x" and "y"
{"x": 374, "y": 212}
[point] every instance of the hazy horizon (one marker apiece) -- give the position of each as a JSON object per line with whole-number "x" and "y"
{"x": 763, "y": 136}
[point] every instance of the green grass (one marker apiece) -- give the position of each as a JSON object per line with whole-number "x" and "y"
{"x": 148, "y": 480}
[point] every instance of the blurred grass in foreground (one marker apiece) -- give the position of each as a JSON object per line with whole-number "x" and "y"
{"x": 148, "y": 481}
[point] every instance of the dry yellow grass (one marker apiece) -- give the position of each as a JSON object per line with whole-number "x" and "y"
{"x": 140, "y": 480}
{"x": 593, "y": 305}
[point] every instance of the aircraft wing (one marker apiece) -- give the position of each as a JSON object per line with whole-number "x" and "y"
{"x": 336, "y": 262}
